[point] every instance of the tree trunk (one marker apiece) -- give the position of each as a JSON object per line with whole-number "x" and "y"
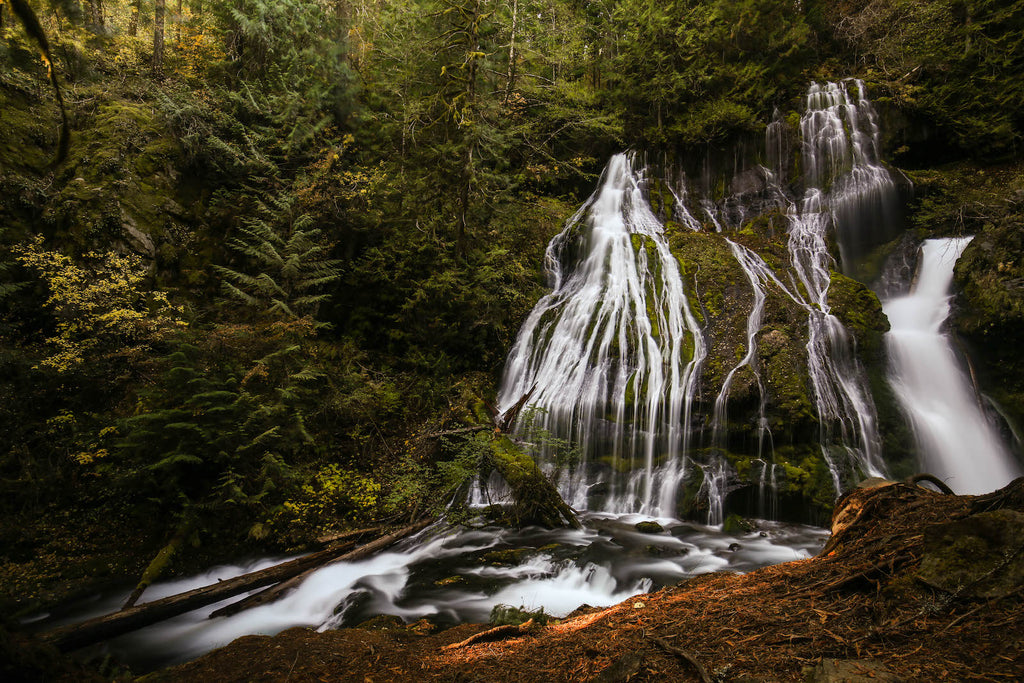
{"x": 156, "y": 567}
{"x": 94, "y": 15}
{"x": 109, "y": 626}
{"x": 276, "y": 592}
{"x": 510, "y": 77}
{"x": 158, "y": 36}
{"x": 133, "y": 20}
{"x": 177, "y": 26}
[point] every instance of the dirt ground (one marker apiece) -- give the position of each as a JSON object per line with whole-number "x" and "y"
{"x": 908, "y": 588}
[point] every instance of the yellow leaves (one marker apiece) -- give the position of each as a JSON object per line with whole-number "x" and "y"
{"x": 89, "y": 457}
{"x": 85, "y": 445}
{"x": 334, "y": 493}
{"x": 100, "y": 306}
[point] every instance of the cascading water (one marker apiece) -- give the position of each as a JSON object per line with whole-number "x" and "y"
{"x": 842, "y": 183}
{"x": 840, "y": 154}
{"x": 610, "y": 358}
{"x": 957, "y": 442}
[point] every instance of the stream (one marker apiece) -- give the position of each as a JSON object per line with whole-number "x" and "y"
{"x": 458, "y": 574}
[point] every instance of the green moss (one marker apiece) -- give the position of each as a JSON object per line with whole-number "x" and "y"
{"x": 536, "y": 500}
{"x": 507, "y": 557}
{"x": 859, "y": 309}
{"x": 990, "y": 310}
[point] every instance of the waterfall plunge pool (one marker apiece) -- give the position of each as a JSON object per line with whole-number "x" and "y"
{"x": 454, "y": 574}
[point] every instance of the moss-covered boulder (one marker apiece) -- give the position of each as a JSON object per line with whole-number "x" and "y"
{"x": 989, "y": 314}
{"x": 979, "y": 556}
{"x": 536, "y": 499}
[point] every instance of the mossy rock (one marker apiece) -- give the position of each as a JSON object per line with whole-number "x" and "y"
{"x": 979, "y": 556}
{"x": 536, "y": 499}
{"x": 734, "y": 524}
{"x": 450, "y": 580}
{"x": 649, "y": 527}
{"x": 859, "y": 309}
{"x": 508, "y": 557}
{"x": 989, "y": 314}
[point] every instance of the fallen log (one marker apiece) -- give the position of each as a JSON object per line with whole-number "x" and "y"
{"x": 347, "y": 535}
{"x": 108, "y": 626}
{"x": 537, "y": 501}
{"x": 273, "y": 593}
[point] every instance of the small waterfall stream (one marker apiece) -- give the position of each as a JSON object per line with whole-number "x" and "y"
{"x": 958, "y": 443}
{"x": 845, "y": 188}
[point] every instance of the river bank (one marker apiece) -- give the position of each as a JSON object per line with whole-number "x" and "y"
{"x": 913, "y": 585}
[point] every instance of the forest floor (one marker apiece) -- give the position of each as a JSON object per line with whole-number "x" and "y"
{"x": 913, "y": 586}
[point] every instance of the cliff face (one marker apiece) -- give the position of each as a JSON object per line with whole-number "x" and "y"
{"x": 990, "y": 311}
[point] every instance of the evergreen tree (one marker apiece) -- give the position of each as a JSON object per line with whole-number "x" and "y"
{"x": 288, "y": 263}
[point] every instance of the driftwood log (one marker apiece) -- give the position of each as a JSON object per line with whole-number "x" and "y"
{"x": 108, "y": 626}
{"x": 273, "y": 593}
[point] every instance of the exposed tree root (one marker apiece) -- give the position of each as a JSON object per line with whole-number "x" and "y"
{"x": 496, "y": 633}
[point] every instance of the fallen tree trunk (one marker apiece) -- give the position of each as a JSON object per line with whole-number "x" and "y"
{"x": 159, "y": 563}
{"x": 537, "y": 501}
{"x": 273, "y": 593}
{"x": 109, "y": 626}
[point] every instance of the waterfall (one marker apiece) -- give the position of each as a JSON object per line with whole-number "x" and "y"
{"x": 610, "y": 358}
{"x": 842, "y": 183}
{"x": 957, "y": 442}
{"x": 840, "y": 154}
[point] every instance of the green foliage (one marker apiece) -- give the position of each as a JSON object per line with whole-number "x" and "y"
{"x": 954, "y": 61}
{"x": 537, "y": 440}
{"x": 286, "y": 67}
{"x": 213, "y": 436}
{"x": 698, "y": 72}
{"x": 288, "y": 259}
{"x": 333, "y": 495}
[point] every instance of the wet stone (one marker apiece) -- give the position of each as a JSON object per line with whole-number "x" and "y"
{"x": 649, "y": 528}
{"x": 511, "y": 556}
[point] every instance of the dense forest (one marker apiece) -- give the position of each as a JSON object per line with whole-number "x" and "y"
{"x": 261, "y": 263}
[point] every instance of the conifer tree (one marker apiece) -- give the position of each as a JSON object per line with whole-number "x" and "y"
{"x": 288, "y": 266}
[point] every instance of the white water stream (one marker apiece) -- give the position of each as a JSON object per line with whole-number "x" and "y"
{"x": 611, "y": 357}
{"x": 446, "y": 575}
{"x": 957, "y": 441}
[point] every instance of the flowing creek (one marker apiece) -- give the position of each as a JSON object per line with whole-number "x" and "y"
{"x": 453, "y": 575}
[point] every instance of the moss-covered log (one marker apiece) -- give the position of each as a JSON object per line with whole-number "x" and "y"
{"x": 536, "y": 499}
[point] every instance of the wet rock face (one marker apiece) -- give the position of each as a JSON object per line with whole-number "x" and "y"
{"x": 979, "y": 556}
{"x": 989, "y": 313}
